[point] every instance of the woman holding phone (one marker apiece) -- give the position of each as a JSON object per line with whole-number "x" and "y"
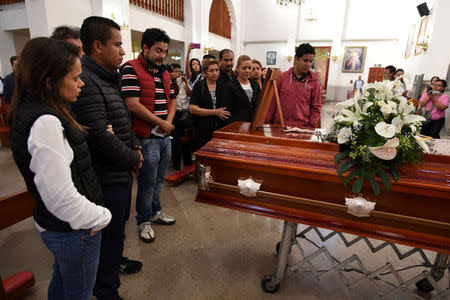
{"x": 193, "y": 66}
{"x": 436, "y": 102}
{"x": 50, "y": 150}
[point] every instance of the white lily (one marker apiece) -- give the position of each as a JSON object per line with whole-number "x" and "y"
{"x": 344, "y": 104}
{"x": 414, "y": 119}
{"x": 366, "y": 107}
{"x": 344, "y": 135}
{"x": 386, "y": 152}
{"x": 398, "y": 123}
{"x": 348, "y": 116}
{"x": 421, "y": 142}
{"x": 385, "y": 130}
{"x": 413, "y": 129}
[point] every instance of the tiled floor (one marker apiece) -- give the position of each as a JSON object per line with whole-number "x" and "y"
{"x": 210, "y": 253}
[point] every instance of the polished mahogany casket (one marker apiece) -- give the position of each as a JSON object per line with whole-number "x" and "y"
{"x": 299, "y": 184}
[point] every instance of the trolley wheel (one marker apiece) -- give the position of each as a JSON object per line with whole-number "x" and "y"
{"x": 424, "y": 285}
{"x": 278, "y": 248}
{"x": 270, "y": 284}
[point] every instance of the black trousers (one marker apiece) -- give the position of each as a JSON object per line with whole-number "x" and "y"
{"x": 117, "y": 199}
{"x": 433, "y": 128}
{"x": 178, "y": 147}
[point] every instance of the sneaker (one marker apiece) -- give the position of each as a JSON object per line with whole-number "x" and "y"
{"x": 129, "y": 266}
{"x": 146, "y": 232}
{"x": 162, "y": 218}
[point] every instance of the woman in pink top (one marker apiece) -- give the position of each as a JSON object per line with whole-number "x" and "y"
{"x": 437, "y": 102}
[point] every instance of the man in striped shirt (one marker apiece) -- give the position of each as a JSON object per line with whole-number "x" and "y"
{"x": 151, "y": 100}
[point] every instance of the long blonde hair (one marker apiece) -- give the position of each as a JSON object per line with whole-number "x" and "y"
{"x": 240, "y": 59}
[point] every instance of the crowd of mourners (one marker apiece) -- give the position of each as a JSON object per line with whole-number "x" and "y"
{"x": 83, "y": 121}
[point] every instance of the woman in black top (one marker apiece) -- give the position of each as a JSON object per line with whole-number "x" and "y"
{"x": 53, "y": 157}
{"x": 205, "y": 106}
{"x": 240, "y": 96}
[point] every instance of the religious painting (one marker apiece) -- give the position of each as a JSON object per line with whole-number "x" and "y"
{"x": 410, "y": 41}
{"x": 354, "y": 58}
{"x": 271, "y": 58}
{"x": 421, "y": 35}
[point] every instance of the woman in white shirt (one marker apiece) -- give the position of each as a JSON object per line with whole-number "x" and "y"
{"x": 50, "y": 150}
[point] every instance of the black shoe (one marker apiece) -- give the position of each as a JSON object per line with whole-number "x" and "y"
{"x": 128, "y": 266}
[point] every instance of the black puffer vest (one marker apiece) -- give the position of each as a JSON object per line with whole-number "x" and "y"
{"x": 83, "y": 175}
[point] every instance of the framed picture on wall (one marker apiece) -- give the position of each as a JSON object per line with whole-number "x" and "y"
{"x": 354, "y": 58}
{"x": 410, "y": 41}
{"x": 271, "y": 57}
{"x": 421, "y": 35}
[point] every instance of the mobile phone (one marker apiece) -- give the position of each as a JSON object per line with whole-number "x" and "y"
{"x": 196, "y": 45}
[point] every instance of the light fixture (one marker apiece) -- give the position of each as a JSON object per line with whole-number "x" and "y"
{"x": 310, "y": 18}
{"x": 334, "y": 57}
{"x": 289, "y": 2}
{"x": 424, "y": 45}
{"x": 206, "y": 48}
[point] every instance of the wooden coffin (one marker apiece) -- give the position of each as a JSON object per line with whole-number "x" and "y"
{"x": 299, "y": 184}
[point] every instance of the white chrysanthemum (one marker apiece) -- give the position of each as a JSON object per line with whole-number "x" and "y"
{"x": 386, "y": 110}
{"x": 385, "y": 130}
{"x": 344, "y": 135}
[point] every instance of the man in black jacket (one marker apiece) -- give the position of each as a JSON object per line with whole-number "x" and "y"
{"x": 114, "y": 155}
{"x": 226, "y": 60}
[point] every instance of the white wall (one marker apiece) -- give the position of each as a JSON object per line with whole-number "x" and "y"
{"x": 382, "y": 26}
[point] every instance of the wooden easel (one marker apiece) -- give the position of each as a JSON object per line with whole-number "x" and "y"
{"x": 269, "y": 88}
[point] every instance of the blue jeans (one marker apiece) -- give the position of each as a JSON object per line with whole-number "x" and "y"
{"x": 76, "y": 260}
{"x": 156, "y": 154}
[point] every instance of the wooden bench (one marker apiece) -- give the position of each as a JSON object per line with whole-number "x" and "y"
{"x": 15, "y": 208}
{"x": 4, "y": 126}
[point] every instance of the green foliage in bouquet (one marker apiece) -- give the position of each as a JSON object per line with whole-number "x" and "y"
{"x": 378, "y": 133}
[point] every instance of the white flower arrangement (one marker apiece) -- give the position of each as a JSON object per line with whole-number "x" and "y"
{"x": 378, "y": 133}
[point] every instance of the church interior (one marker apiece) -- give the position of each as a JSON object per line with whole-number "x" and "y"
{"x": 224, "y": 251}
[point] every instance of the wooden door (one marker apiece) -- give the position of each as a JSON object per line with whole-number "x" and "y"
{"x": 375, "y": 74}
{"x": 322, "y": 65}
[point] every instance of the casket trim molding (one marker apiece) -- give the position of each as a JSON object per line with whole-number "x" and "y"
{"x": 339, "y": 207}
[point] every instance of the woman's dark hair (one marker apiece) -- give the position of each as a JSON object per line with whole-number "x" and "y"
{"x": 152, "y": 36}
{"x": 96, "y": 29}
{"x": 437, "y": 78}
{"x": 303, "y": 49}
{"x": 194, "y": 74}
{"x": 444, "y": 83}
{"x": 42, "y": 67}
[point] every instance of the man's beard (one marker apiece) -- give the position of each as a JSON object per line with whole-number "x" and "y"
{"x": 152, "y": 64}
